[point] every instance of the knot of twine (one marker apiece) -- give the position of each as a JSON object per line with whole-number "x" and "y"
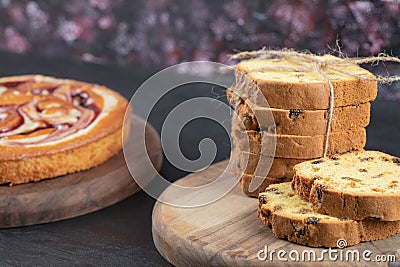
{"x": 320, "y": 65}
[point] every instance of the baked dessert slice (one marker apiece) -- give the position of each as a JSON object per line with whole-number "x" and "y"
{"x": 250, "y": 190}
{"x": 299, "y": 121}
{"x": 296, "y": 146}
{"x": 256, "y": 164}
{"x": 261, "y": 180}
{"x": 292, "y": 218}
{"x": 51, "y": 127}
{"x": 306, "y": 89}
{"x": 355, "y": 185}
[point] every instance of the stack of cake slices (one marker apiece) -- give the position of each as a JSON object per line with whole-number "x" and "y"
{"x": 299, "y": 100}
{"x": 336, "y": 202}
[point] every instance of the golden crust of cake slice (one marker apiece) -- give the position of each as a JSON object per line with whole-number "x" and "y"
{"x": 357, "y": 185}
{"x": 293, "y": 219}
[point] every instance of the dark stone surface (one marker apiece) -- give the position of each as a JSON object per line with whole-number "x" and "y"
{"x": 121, "y": 234}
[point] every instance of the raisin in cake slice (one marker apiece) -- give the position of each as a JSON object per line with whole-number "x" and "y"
{"x": 355, "y": 185}
{"x": 292, "y": 218}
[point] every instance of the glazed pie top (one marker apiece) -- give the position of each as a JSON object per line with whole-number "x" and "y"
{"x": 43, "y": 115}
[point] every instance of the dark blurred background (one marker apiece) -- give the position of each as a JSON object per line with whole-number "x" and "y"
{"x": 159, "y": 33}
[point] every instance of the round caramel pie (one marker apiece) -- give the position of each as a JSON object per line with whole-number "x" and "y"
{"x": 51, "y": 127}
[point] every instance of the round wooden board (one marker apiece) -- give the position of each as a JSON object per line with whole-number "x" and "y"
{"x": 79, "y": 193}
{"x": 229, "y": 233}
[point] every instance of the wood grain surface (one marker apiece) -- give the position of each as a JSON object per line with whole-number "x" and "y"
{"x": 229, "y": 233}
{"x": 79, "y": 193}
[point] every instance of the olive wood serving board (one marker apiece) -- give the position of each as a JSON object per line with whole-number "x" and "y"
{"x": 82, "y": 192}
{"x": 228, "y": 233}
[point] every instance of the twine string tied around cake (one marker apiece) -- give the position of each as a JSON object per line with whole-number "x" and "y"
{"x": 308, "y": 62}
